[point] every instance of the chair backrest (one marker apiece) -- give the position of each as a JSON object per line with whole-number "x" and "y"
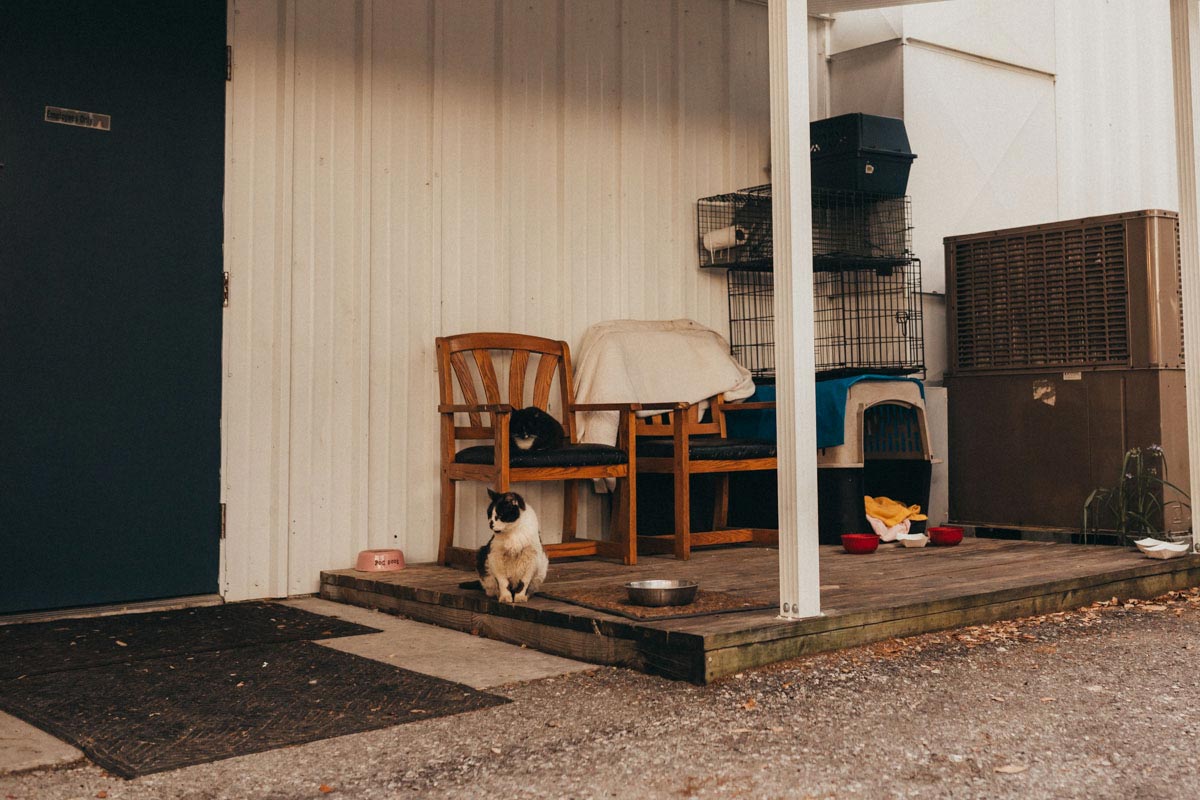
{"x": 664, "y": 424}
{"x": 499, "y": 365}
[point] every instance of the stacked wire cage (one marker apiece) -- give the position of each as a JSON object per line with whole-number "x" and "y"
{"x": 866, "y": 280}
{"x": 866, "y": 285}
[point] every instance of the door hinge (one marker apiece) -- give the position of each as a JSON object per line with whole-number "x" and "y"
{"x": 222, "y": 521}
{"x": 228, "y": 62}
{"x": 225, "y": 291}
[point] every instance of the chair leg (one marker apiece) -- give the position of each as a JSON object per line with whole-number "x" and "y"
{"x": 570, "y": 510}
{"x": 624, "y": 519}
{"x": 721, "y": 502}
{"x": 446, "y": 540}
{"x": 683, "y": 517}
{"x": 631, "y": 533}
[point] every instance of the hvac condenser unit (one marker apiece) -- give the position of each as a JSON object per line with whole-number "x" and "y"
{"x": 1066, "y": 350}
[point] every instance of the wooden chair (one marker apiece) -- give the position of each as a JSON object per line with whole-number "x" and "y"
{"x": 471, "y": 362}
{"x": 680, "y": 443}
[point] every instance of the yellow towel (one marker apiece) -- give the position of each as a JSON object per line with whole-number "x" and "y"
{"x": 890, "y": 511}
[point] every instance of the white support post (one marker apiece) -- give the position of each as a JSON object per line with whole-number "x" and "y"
{"x": 1185, "y": 61}
{"x": 799, "y": 577}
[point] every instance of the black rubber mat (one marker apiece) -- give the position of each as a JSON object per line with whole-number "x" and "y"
{"x": 71, "y": 644}
{"x": 163, "y": 713}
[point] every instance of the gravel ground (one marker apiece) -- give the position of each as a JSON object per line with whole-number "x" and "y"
{"x": 1099, "y": 703}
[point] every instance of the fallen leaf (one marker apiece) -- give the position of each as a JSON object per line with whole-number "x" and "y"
{"x": 325, "y": 788}
{"x": 496, "y": 750}
{"x": 1047, "y": 699}
{"x": 777, "y": 729}
{"x": 1154, "y": 607}
{"x": 102, "y": 794}
{"x": 997, "y": 699}
{"x": 1094, "y": 688}
{"x": 750, "y": 704}
{"x": 417, "y": 711}
{"x": 740, "y": 730}
{"x": 121, "y": 644}
{"x": 1011, "y": 769}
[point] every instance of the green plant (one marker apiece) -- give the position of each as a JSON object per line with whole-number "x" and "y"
{"x": 1136, "y": 504}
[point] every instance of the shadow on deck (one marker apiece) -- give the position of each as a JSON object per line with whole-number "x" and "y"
{"x": 894, "y": 592}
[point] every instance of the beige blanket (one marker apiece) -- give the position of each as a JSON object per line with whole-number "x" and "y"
{"x": 651, "y": 361}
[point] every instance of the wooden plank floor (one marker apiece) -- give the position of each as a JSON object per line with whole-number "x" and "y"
{"x": 894, "y": 592}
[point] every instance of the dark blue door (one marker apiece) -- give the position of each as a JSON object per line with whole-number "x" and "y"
{"x": 110, "y": 299}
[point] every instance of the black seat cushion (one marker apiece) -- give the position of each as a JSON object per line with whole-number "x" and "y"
{"x": 570, "y": 455}
{"x": 708, "y": 448}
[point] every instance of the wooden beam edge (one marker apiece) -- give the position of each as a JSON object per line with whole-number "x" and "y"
{"x": 727, "y": 660}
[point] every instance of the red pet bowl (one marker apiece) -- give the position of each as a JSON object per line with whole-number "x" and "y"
{"x": 946, "y": 536}
{"x": 860, "y": 543}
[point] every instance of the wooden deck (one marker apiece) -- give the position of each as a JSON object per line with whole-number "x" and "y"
{"x": 894, "y": 592}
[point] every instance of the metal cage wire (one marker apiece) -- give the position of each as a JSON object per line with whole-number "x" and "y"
{"x": 866, "y": 282}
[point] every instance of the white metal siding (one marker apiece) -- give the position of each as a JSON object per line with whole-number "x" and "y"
{"x": 1116, "y": 124}
{"x": 399, "y": 170}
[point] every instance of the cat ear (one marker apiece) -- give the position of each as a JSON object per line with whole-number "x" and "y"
{"x": 493, "y": 495}
{"x": 520, "y": 501}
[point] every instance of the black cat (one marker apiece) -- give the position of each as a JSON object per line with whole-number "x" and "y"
{"x": 534, "y": 429}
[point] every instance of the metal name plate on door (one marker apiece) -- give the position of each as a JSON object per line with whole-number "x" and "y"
{"x": 81, "y": 119}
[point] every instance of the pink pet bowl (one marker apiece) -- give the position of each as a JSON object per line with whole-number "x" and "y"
{"x": 380, "y": 561}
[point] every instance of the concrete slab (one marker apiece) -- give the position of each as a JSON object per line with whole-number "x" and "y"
{"x": 477, "y": 662}
{"x": 24, "y": 747}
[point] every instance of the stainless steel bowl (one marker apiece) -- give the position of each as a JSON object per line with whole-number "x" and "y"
{"x": 661, "y": 593}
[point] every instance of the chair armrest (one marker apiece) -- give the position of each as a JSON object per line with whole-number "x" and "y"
{"x": 755, "y": 406}
{"x": 490, "y": 408}
{"x": 668, "y": 406}
{"x": 605, "y": 406}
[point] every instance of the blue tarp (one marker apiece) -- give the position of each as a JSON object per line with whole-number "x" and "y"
{"x": 831, "y": 410}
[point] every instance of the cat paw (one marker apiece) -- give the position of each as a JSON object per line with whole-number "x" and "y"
{"x": 520, "y": 597}
{"x": 505, "y": 596}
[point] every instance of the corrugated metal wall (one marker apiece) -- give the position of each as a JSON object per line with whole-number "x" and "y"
{"x": 399, "y": 170}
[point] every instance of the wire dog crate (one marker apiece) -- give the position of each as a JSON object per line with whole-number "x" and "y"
{"x": 866, "y": 281}
{"x": 752, "y": 321}
{"x": 869, "y": 320}
{"x": 735, "y": 229}
{"x": 860, "y": 230}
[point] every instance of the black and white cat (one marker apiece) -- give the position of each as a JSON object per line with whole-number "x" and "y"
{"x": 512, "y": 565}
{"x": 534, "y": 429}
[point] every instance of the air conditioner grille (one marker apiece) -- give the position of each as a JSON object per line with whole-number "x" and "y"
{"x": 1046, "y": 298}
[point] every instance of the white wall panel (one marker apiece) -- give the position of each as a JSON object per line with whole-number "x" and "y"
{"x": 255, "y": 413}
{"x": 401, "y": 170}
{"x": 405, "y": 304}
{"x": 870, "y": 80}
{"x": 1017, "y": 32}
{"x": 854, "y": 29}
{"x": 981, "y": 164}
{"x": 1116, "y": 134}
{"x": 330, "y": 291}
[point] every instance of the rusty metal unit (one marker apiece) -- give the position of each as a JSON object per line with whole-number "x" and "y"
{"x": 1066, "y": 350}
{"x": 1096, "y": 292}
